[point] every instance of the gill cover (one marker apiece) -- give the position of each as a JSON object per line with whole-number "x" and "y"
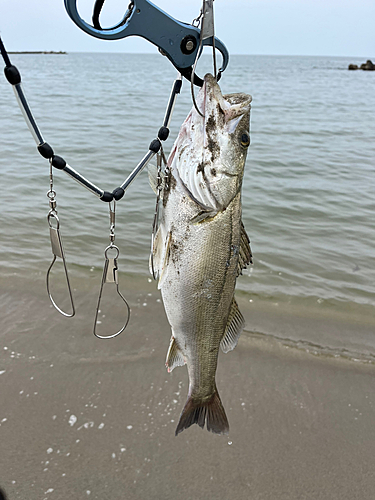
{"x": 209, "y": 154}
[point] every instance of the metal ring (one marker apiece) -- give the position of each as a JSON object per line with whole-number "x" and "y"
{"x": 51, "y": 194}
{"x": 110, "y": 247}
{"x": 53, "y": 214}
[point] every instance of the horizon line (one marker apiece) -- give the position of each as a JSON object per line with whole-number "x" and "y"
{"x": 66, "y": 52}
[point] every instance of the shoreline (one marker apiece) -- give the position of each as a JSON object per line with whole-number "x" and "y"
{"x": 319, "y": 328}
{"x": 81, "y": 415}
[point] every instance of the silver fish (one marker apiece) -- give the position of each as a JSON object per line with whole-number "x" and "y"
{"x": 201, "y": 246}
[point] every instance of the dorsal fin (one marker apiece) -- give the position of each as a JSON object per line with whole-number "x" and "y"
{"x": 174, "y": 356}
{"x": 245, "y": 256}
{"x": 233, "y": 330}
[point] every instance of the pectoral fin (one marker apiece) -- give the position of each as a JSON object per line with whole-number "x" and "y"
{"x": 203, "y": 216}
{"x": 233, "y": 330}
{"x": 156, "y": 254}
{"x": 245, "y": 256}
{"x": 160, "y": 255}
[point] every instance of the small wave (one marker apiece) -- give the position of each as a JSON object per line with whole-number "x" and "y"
{"x": 316, "y": 349}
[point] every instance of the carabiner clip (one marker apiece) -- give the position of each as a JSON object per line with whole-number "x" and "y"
{"x": 178, "y": 41}
{"x": 155, "y": 223}
{"x": 110, "y": 275}
{"x": 58, "y": 251}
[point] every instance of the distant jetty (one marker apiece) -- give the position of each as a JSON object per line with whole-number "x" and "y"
{"x": 367, "y": 66}
{"x": 38, "y": 52}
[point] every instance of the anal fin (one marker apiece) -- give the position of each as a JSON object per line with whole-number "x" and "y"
{"x": 233, "y": 330}
{"x": 174, "y": 356}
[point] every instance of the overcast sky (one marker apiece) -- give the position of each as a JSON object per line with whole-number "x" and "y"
{"x": 280, "y": 27}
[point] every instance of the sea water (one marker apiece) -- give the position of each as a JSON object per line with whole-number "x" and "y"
{"x": 308, "y": 189}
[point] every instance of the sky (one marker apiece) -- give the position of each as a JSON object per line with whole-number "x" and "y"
{"x": 265, "y": 27}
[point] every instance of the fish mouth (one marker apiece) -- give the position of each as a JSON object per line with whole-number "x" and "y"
{"x": 209, "y": 93}
{"x": 211, "y": 102}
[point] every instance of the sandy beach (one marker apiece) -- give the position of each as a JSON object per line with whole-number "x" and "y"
{"x": 84, "y": 418}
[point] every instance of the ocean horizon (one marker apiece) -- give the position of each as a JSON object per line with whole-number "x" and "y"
{"x": 307, "y": 192}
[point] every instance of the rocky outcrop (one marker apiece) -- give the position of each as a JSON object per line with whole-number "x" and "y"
{"x": 367, "y": 66}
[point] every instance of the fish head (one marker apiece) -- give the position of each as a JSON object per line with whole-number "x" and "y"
{"x": 211, "y": 150}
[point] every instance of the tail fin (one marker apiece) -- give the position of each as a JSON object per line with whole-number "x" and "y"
{"x": 211, "y": 412}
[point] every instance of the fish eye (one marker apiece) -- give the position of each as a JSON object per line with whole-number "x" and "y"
{"x": 245, "y": 140}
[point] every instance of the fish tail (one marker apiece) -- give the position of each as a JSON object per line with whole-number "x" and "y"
{"x": 210, "y": 412}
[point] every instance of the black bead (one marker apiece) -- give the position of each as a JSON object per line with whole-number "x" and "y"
{"x": 58, "y": 162}
{"x": 177, "y": 86}
{"x": 155, "y": 146}
{"x": 108, "y": 197}
{"x": 163, "y": 133}
{"x": 12, "y": 75}
{"x": 45, "y": 150}
{"x": 118, "y": 193}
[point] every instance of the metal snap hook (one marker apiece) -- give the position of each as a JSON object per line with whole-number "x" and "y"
{"x": 155, "y": 225}
{"x": 110, "y": 275}
{"x": 58, "y": 251}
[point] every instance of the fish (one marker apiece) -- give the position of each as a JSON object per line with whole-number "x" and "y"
{"x": 201, "y": 246}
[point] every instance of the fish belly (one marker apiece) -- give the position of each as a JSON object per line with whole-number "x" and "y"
{"x": 198, "y": 287}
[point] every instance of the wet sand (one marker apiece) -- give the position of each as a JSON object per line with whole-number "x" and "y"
{"x": 85, "y": 418}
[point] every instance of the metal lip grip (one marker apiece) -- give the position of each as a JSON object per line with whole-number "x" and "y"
{"x": 177, "y": 40}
